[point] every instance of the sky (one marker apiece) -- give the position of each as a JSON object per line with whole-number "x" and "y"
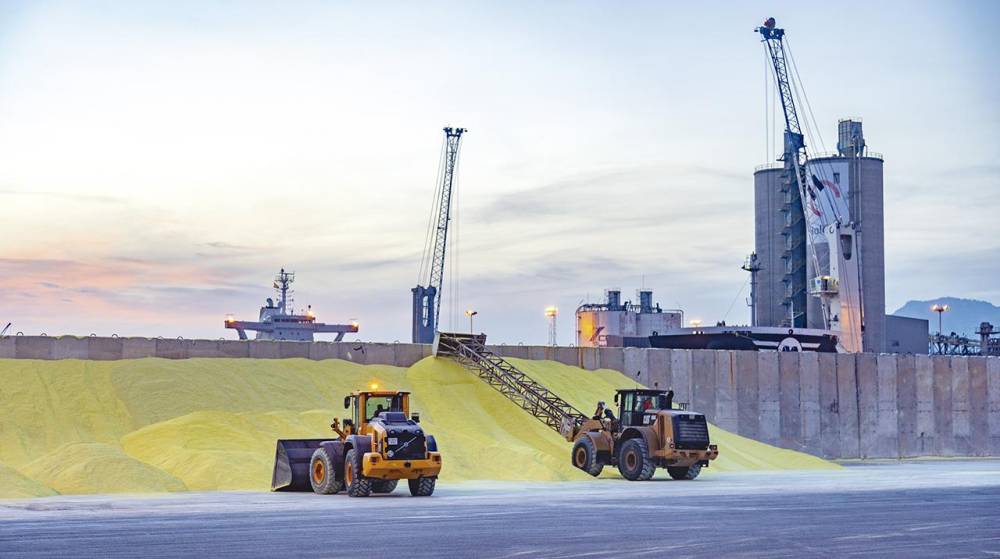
{"x": 160, "y": 161}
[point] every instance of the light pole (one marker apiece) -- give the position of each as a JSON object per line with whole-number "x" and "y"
{"x": 940, "y": 309}
{"x": 752, "y": 265}
{"x": 552, "y": 313}
{"x": 471, "y": 313}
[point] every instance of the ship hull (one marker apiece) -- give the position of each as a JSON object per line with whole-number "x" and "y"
{"x": 747, "y": 339}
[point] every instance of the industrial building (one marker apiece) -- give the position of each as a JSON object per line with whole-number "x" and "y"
{"x": 905, "y": 335}
{"x": 853, "y": 175}
{"x": 607, "y": 324}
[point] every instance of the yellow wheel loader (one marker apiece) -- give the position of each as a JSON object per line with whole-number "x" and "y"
{"x": 648, "y": 433}
{"x": 379, "y": 445}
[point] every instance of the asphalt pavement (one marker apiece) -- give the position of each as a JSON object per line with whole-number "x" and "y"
{"x": 914, "y": 509}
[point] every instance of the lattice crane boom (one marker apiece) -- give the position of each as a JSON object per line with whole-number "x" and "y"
{"x": 453, "y": 137}
{"x": 839, "y": 287}
{"x": 427, "y": 299}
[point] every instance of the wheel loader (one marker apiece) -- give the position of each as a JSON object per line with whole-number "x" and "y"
{"x": 647, "y": 434}
{"x": 379, "y": 445}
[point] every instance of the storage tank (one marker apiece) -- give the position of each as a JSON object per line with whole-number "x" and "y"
{"x": 779, "y": 241}
{"x": 857, "y": 175}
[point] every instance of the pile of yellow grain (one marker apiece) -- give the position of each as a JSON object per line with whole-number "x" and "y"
{"x": 152, "y": 425}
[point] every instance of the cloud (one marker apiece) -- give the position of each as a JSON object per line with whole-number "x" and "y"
{"x": 972, "y": 170}
{"x": 222, "y": 245}
{"x": 638, "y": 193}
{"x": 68, "y": 196}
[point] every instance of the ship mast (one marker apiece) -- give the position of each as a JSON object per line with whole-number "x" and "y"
{"x": 282, "y": 283}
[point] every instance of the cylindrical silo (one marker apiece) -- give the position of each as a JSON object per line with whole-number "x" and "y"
{"x": 854, "y": 176}
{"x": 779, "y": 240}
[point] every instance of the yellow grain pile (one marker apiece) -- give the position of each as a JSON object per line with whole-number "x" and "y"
{"x": 210, "y": 424}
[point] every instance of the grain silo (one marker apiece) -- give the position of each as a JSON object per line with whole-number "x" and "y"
{"x": 853, "y": 177}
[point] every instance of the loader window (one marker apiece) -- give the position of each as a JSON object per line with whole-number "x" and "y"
{"x": 634, "y": 405}
{"x": 379, "y": 404}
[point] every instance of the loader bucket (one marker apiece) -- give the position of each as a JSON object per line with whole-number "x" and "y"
{"x": 291, "y": 464}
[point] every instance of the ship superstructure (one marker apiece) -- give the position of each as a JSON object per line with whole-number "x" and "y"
{"x": 278, "y": 321}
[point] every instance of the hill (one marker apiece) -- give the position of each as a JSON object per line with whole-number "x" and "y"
{"x": 963, "y": 315}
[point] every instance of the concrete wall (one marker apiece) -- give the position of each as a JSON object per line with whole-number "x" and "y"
{"x": 831, "y": 405}
{"x": 104, "y": 349}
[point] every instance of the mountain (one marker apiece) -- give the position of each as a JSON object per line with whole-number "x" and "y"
{"x": 963, "y": 315}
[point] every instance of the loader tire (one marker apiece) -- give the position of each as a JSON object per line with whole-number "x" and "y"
{"x": 688, "y": 473}
{"x": 357, "y": 484}
{"x": 322, "y": 475}
{"x": 422, "y": 486}
{"x": 634, "y": 462}
{"x": 384, "y": 485}
{"x": 585, "y": 456}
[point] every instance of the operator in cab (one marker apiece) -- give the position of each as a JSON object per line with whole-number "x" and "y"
{"x": 599, "y": 414}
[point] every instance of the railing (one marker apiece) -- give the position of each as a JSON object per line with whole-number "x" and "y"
{"x": 868, "y": 154}
{"x": 836, "y": 155}
{"x": 768, "y": 166}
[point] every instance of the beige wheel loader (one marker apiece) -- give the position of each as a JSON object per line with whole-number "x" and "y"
{"x": 648, "y": 433}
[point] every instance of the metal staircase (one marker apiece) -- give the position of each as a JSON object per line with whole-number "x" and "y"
{"x": 470, "y": 352}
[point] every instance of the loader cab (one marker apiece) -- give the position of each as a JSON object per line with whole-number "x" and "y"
{"x": 634, "y": 405}
{"x": 366, "y": 405}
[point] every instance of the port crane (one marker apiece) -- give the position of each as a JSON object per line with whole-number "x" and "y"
{"x": 814, "y": 226}
{"x": 427, "y": 298}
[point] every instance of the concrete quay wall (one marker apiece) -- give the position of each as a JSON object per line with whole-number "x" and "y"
{"x": 104, "y": 349}
{"x": 831, "y": 405}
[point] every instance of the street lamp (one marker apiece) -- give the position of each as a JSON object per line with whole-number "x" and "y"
{"x": 471, "y": 313}
{"x": 940, "y": 309}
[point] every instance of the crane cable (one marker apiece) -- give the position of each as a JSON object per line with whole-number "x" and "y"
{"x": 433, "y": 216}
{"x": 453, "y": 248}
{"x": 813, "y": 130}
{"x": 802, "y": 172}
{"x": 799, "y": 171}
{"x": 767, "y": 116}
{"x": 738, "y": 293}
{"x": 845, "y": 278}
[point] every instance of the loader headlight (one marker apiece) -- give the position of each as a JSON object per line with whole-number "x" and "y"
{"x": 390, "y": 454}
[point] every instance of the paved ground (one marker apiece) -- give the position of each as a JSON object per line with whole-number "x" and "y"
{"x": 919, "y": 509}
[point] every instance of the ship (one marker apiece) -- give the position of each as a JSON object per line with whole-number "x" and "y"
{"x": 278, "y": 321}
{"x": 748, "y": 338}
